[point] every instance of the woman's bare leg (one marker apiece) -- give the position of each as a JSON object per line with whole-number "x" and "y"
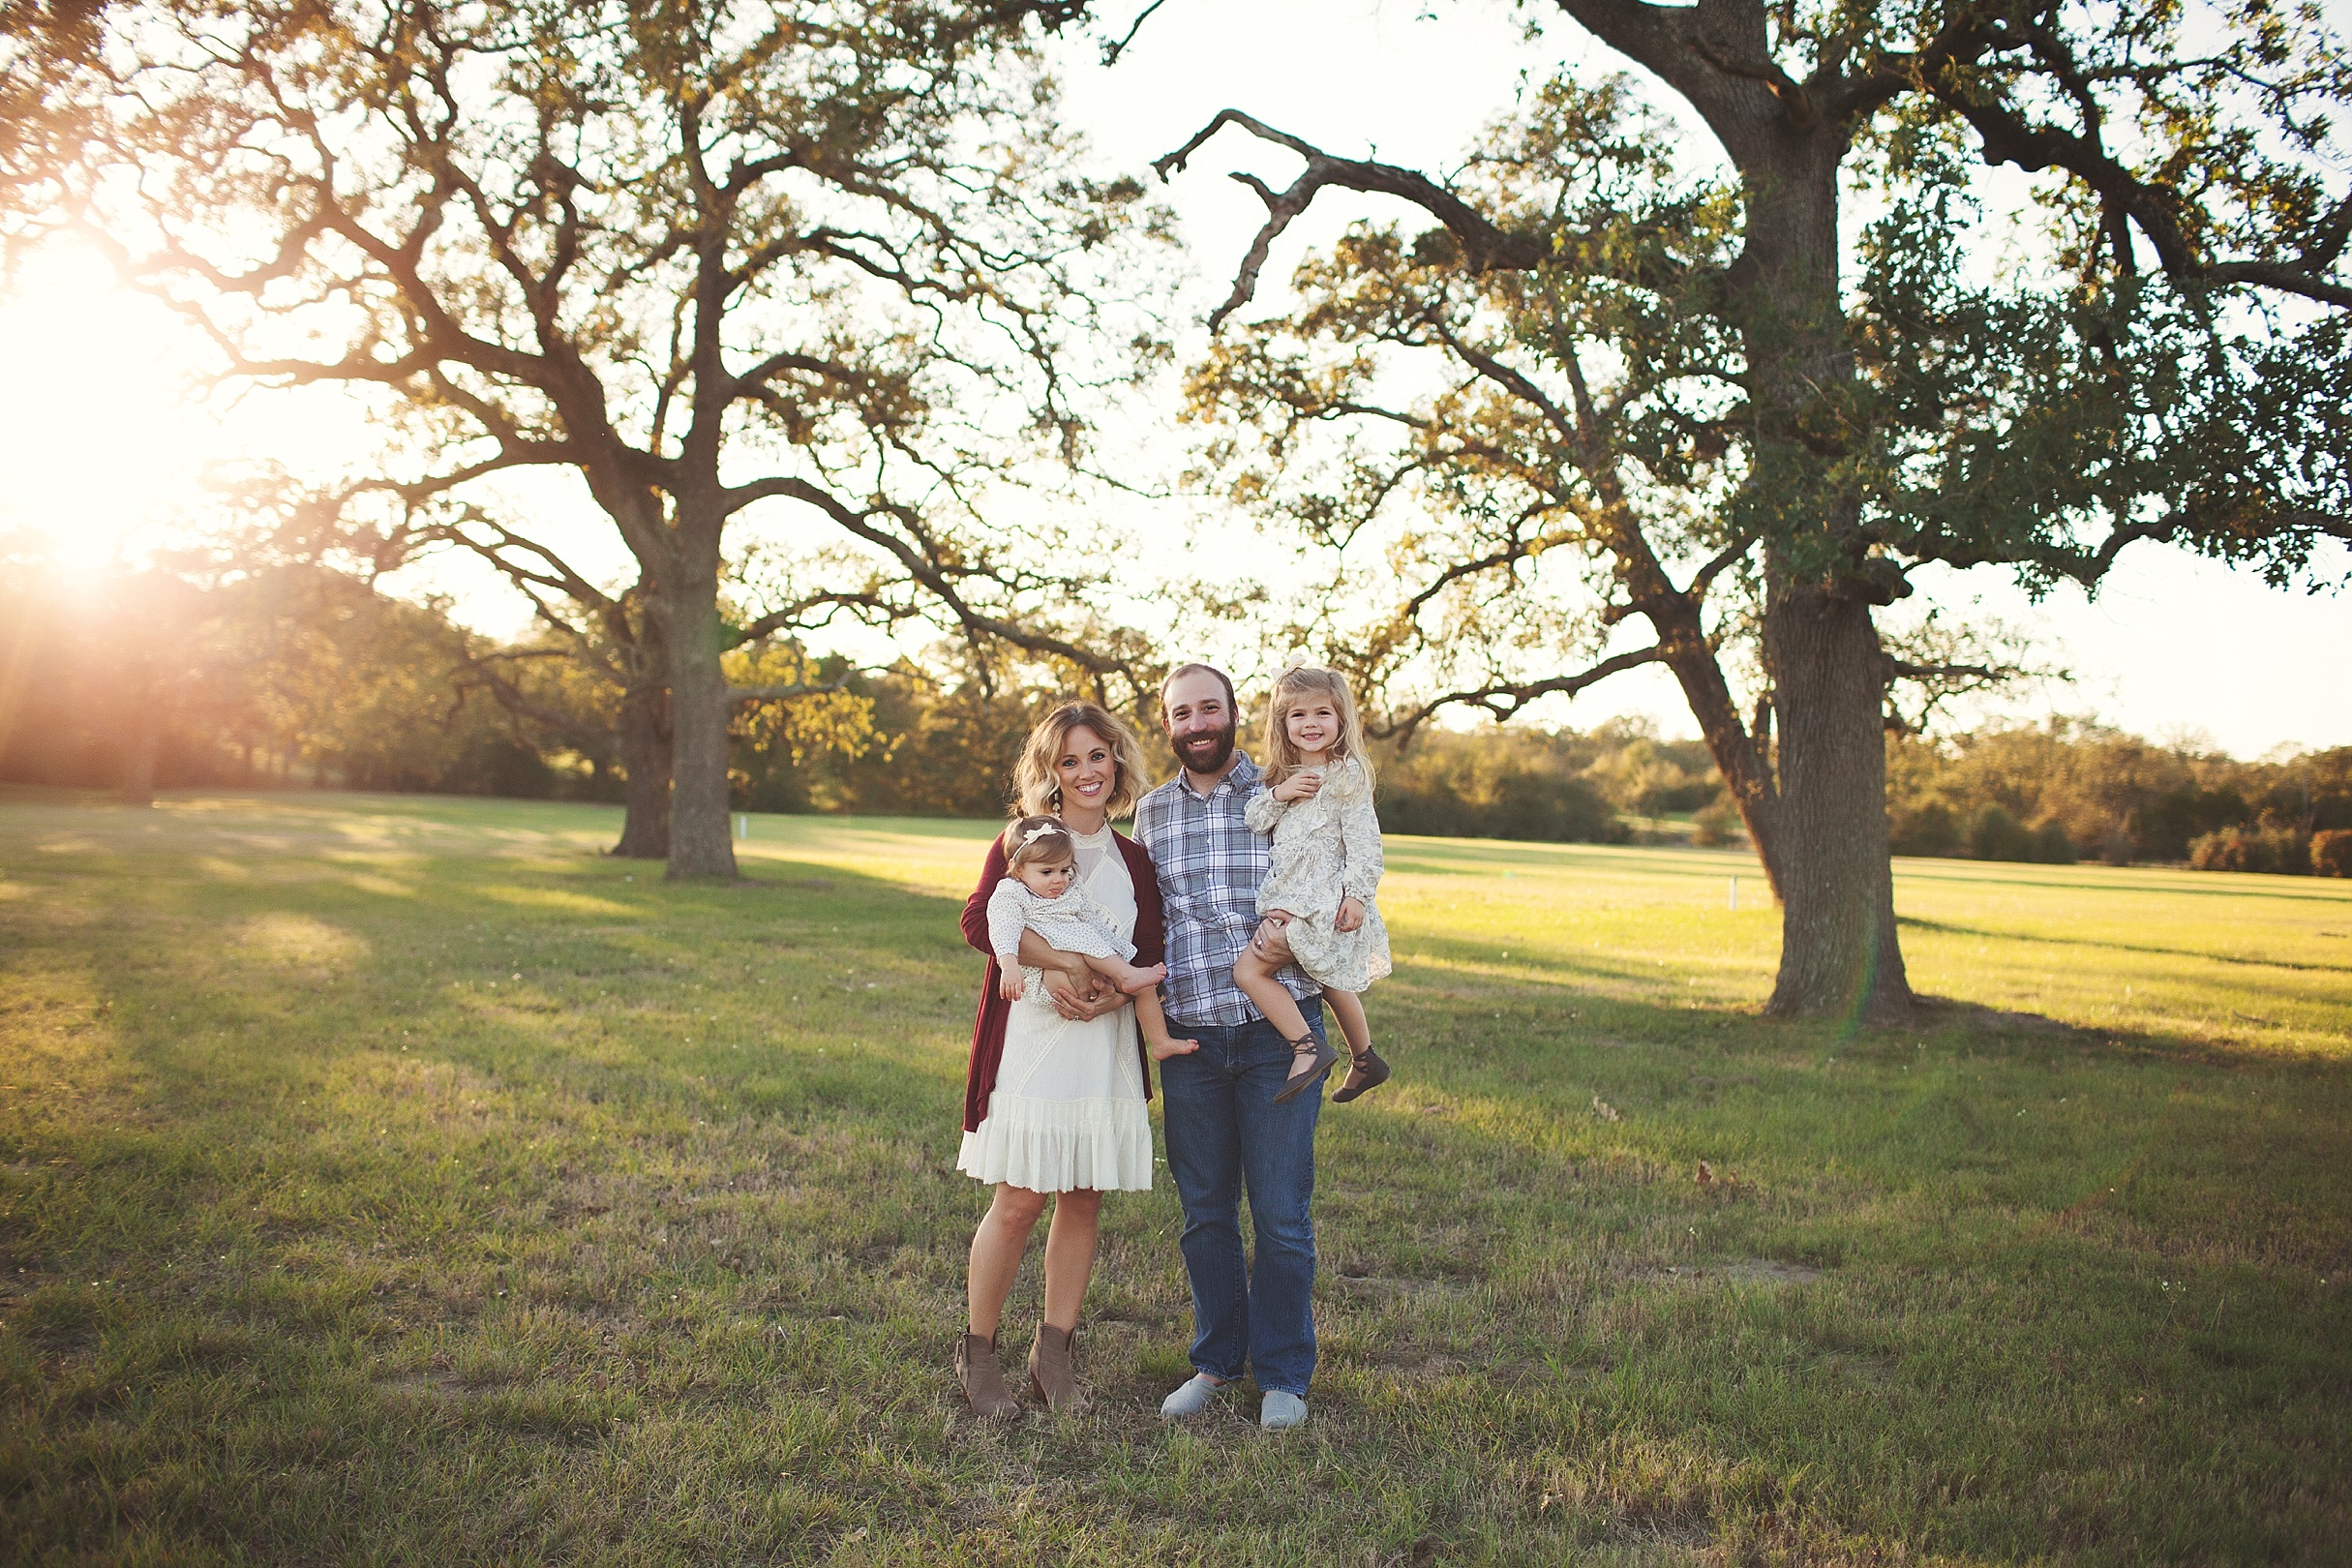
{"x": 997, "y": 1247}
{"x": 1069, "y": 1255}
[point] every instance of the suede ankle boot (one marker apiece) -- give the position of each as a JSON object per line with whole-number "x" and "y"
{"x": 1053, "y": 1370}
{"x": 981, "y": 1378}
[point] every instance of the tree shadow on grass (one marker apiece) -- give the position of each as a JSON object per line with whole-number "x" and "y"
{"x": 2188, "y": 884}
{"x": 1949, "y": 928}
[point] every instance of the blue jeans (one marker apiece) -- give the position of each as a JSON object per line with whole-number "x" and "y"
{"x": 1225, "y": 1135}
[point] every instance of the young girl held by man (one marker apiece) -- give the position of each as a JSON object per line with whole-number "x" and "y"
{"x": 1317, "y": 907}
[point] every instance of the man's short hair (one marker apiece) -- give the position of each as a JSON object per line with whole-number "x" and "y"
{"x": 1181, "y": 670}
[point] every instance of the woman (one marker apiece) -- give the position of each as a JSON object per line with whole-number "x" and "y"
{"x": 1054, "y": 1104}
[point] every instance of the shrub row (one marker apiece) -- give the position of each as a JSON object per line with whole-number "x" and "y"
{"x": 1992, "y": 832}
{"x": 2280, "y": 850}
{"x": 2071, "y": 788}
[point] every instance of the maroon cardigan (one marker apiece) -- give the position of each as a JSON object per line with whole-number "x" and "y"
{"x": 988, "y": 1028}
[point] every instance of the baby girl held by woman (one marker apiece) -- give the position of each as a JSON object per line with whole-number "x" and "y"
{"x": 1317, "y": 906}
{"x": 1041, "y": 893}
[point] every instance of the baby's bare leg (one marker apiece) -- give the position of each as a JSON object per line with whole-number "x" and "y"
{"x": 1131, "y": 979}
{"x": 1254, "y": 971}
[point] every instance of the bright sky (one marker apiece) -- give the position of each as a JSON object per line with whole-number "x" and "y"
{"x": 101, "y": 446}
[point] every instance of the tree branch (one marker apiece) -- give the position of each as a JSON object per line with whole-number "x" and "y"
{"x": 1503, "y": 701}
{"x": 1724, "y": 560}
{"x": 590, "y": 739}
{"x": 1112, "y": 51}
{"x": 1484, "y": 247}
{"x": 784, "y": 693}
{"x": 1905, "y": 670}
{"x": 923, "y": 568}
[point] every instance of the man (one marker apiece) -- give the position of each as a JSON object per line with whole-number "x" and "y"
{"x": 1225, "y": 1132}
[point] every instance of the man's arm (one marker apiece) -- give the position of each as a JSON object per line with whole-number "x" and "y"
{"x": 1149, "y": 832}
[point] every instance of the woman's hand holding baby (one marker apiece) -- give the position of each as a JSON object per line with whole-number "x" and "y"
{"x": 1083, "y": 995}
{"x": 1351, "y": 917}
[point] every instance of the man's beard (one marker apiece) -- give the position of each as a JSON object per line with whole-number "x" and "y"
{"x": 1218, "y": 749}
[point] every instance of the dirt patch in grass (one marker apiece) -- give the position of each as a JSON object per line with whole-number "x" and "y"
{"x": 1765, "y": 1271}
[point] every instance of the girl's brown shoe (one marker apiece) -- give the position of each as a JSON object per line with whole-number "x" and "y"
{"x": 1053, "y": 1370}
{"x": 1370, "y": 1072}
{"x": 1320, "y": 1055}
{"x": 982, "y": 1380}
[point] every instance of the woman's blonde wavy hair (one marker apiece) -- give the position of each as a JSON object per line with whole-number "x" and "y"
{"x": 1308, "y": 681}
{"x": 1037, "y": 792}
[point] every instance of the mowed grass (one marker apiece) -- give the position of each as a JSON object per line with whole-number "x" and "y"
{"x": 386, "y": 1180}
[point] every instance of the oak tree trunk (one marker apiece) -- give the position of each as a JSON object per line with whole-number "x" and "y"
{"x": 1838, "y": 951}
{"x": 645, "y": 758}
{"x": 1829, "y": 852}
{"x": 702, "y": 843}
{"x": 139, "y": 762}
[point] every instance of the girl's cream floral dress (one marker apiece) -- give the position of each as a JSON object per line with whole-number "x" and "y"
{"x": 1326, "y": 848}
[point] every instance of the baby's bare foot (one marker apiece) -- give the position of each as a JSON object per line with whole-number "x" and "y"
{"x": 1140, "y": 981}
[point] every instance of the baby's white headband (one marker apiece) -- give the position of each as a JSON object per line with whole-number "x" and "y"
{"x": 1033, "y": 835}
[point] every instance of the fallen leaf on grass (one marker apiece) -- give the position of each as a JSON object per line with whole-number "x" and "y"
{"x": 1605, "y": 1110}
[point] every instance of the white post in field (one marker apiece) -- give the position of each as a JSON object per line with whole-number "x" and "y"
{"x": 1734, "y": 889}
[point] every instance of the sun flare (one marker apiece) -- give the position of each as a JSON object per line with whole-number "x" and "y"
{"x": 105, "y": 429}
{"x": 103, "y": 434}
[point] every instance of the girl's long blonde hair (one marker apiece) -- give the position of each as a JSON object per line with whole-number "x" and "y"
{"x": 1308, "y": 681}
{"x": 1037, "y": 792}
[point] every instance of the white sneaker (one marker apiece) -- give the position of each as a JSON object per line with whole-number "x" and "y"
{"x": 1281, "y": 1411}
{"x": 1193, "y": 1398}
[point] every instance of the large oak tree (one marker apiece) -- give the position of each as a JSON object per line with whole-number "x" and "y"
{"x": 612, "y": 639}
{"x": 832, "y": 260}
{"x": 1611, "y": 387}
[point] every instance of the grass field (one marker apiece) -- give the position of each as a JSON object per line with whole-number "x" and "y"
{"x": 386, "y": 1180}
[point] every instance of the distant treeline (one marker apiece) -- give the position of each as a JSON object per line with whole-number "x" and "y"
{"x": 947, "y": 749}
{"x": 2072, "y": 790}
{"x": 300, "y": 674}
{"x": 295, "y": 675}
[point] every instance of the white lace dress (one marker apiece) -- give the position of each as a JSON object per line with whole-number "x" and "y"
{"x": 1326, "y": 848}
{"x": 1068, "y": 1110}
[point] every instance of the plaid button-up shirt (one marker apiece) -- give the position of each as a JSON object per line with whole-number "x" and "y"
{"x": 1210, "y": 867}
